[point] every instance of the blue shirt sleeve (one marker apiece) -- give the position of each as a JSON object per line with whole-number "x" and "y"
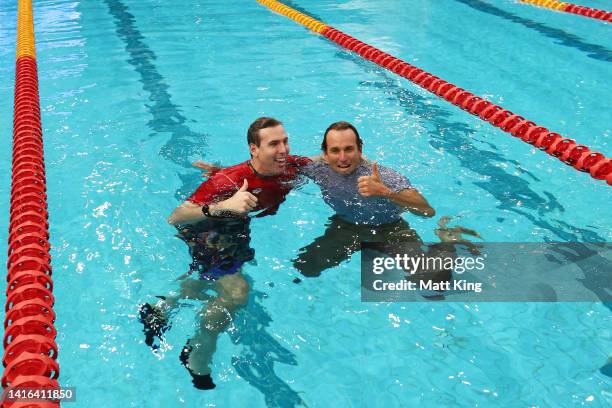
{"x": 312, "y": 170}
{"x": 394, "y": 180}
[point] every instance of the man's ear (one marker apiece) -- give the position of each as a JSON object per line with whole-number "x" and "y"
{"x": 252, "y": 149}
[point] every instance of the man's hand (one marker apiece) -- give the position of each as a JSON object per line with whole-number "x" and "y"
{"x": 372, "y": 186}
{"x": 240, "y": 203}
{"x": 209, "y": 168}
{"x": 410, "y": 199}
{"x": 454, "y": 235}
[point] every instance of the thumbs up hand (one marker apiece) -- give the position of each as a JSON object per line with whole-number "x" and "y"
{"x": 372, "y": 186}
{"x": 375, "y": 172}
{"x": 240, "y": 203}
{"x": 244, "y": 187}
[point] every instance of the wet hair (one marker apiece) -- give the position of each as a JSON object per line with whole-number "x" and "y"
{"x": 260, "y": 123}
{"x": 342, "y": 125}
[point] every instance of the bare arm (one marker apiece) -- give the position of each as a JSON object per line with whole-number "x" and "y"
{"x": 209, "y": 168}
{"x": 240, "y": 203}
{"x": 413, "y": 201}
{"x": 186, "y": 213}
{"x": 409, "y": 199}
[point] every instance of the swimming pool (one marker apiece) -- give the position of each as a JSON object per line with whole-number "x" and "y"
{"x": 132, "y": 92}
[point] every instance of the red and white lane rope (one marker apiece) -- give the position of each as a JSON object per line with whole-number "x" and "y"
{"x": 602, "y": 15}
{"x": 30, "y": 350}
{"x": 567, "y": 150}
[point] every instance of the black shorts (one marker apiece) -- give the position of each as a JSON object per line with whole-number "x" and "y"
{"x": 218, "y": 247}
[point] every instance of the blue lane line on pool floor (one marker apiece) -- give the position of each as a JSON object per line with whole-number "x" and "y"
{"x": 183, "y": 144}
{"x": 566, "y": 39}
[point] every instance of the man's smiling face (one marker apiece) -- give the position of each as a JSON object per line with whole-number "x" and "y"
{"x": 342, "y": 153}
{"x": 270, "y": 157}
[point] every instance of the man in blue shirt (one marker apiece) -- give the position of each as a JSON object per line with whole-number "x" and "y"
{"x": 368, "y": 201}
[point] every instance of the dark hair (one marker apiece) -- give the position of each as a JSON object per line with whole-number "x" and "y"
{"x": 342, "y": 125}
{"x": 260, "y": 123}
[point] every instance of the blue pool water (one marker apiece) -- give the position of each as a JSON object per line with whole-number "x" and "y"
{"x": 133, "y": 91}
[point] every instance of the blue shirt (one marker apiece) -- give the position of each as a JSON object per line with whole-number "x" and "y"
{"x": 341, "y": 193}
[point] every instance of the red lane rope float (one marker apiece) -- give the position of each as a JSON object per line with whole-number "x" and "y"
{"x": 572, "y": 8}
{"x": 30, "y": 351}
{"x": 30, "y": 364}
{"x": 578, "y": 156}
{"x": 42, "y": 382}
{"x": 589, "y": 12}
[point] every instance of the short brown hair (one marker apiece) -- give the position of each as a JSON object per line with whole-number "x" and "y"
{"x": 260, "y": 123}
{"x": 342, "y": 125}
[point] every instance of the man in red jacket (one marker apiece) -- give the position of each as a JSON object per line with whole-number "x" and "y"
{"x": 214, "y": 223}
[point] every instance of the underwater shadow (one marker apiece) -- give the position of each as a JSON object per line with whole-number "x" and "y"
{"x": 563, "y": 38}
{"x": 167, "y": 116}
{"x": 261, "y": 352}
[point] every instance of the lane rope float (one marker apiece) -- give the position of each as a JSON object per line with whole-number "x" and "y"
{"x": 572, "y": 8}
{"x": 567, "y": 150}
{"x": 30, "y": 351}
